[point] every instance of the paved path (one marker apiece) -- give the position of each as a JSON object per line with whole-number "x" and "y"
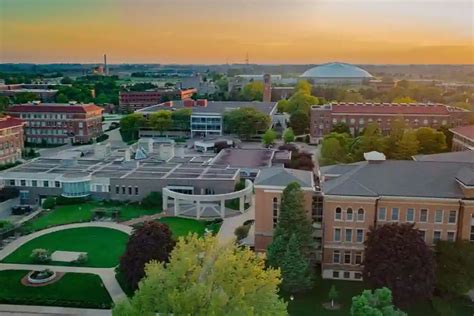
{"x": 226, "y": 233}
{"x": 30, "y": 310}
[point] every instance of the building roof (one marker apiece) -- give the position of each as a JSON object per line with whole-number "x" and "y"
{"x": 244, "y": 158}
{"x": 464, "y": 131}
{"x": 54, "y": 108}
{"x": 457, "y": 156}
{"x": 217, "y": 107}
{"x": 390, "y": 108}
{"x": 336, "y": 70}
{"x": 8, "y": 122}
{"x": 397, "y": 178}
{"x": 281, "y": 177}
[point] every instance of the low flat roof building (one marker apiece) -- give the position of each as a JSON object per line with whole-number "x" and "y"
{"x": 135, "y": 100}
{"x": 463, "y": 138}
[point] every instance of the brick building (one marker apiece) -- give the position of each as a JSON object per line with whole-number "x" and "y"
{"x": 358, "y": 115}
{"x": 135, "y": 100}
{"x": 463, "y": 138}
{"x": 58, "y": 123}
{"x": 11, "y": 139}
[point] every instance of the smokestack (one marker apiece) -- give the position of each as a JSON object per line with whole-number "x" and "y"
{"x": 105, "y": 65}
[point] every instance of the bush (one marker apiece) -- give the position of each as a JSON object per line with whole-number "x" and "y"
{"x": 82, "y": 258}
{"x": 5, "y": 225}
{"x": 61, "y": 200}
{"x": 102, "y": 138}
{"x": 442, "y": 307}
{"x": 8, "y": 193}
{"x": 40, "y": 255}
{"x": 241, "y": 232}
{"x": 49, "y": 203}
{"x": 152, "y": 200}
{"x": 240, "y": 185}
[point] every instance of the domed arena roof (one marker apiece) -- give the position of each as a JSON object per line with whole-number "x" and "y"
{"x": 336, "y": 70}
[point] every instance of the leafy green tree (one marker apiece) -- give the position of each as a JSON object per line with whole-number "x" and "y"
{"x": 303, "y": 86}
{"x": 4, "y": 103}
{"x": 455, "y": 267}
{"x": 431, "y": 141}
{"x": 153, "y": 201}
{"x": 181, "y": 119}
{"x": 341, "y": 128}
{"x": 301, "y": 101}
{"x": 403, "y": 100}
{"x": 283, "y": 106}
{"x": 407, "y": 147}
{"x": 370, "y": 140}
{"x": 299, "y": 122}
{"x": 67, "y": 80}
{"x": 288, "y": 136}
{"x": 377, "y": 303}
{"x": 25, "y": 97}
{"x": 130, "y": 125}
{"x": 295, "y": 270}
{"x": 161, "y": 120}
{"x": 333, "y": 295}
{"x": 61, "y": 98}
{"x": 102, "y": 98}
{"x": 205, "y": 277}
{"x": 352, "y": 96}
{"x": 253, "y": 91}
{"x": 49, "y": 203}
{"x": 246, "y": 122}
{"x": 269, "y": 137}
{"x": 335, "y": 149}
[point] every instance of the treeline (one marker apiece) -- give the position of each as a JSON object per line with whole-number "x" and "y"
{"x": 401, "y": 144}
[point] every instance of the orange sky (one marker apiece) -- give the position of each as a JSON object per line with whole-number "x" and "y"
{"x": 220, "y": 31}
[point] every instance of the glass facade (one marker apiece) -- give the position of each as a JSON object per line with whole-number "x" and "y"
{"x": 76, "y": 189}
{"x": 206, "y": 124}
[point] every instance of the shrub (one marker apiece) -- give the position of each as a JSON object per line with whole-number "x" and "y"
{"x": 82, "y": 258}
{"x": 240, "y": 185}
{"x": 49, "y": 203}
{"x": 61, "y": 200}
{"x": 5, "y": 225}
{"x": 442, "y": 307}
{"x": 241, "y": 232}
{"x": 102, "y": 137}
{"x": 153, "y": 200}
{"x": 40, "y": 255}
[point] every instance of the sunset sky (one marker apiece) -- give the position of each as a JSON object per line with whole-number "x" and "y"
{"x": 220, "y": 31}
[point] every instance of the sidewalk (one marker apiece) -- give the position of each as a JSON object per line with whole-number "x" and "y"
{"x": 226, "y": 233}
{"x": 30, "y": 310}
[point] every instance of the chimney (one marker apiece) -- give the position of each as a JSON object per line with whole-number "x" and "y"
{"x": 188, "y": 103}
{"x": 267, "y": 88}
{"x": 201, "y": 102}
{"x": 105, "y": 65}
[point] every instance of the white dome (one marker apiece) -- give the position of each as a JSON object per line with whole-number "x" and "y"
{"x": 336, "y": 70}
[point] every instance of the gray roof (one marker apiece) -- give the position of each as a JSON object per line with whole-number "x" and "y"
{"x": 336, "y": 70}
{"x": 457, "y": 156}
{"x": 279, "y": 176}
{"x": 218, "y": 107}
{"x": 399, "y": 178}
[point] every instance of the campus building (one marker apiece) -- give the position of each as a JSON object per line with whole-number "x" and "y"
{"x": 463, "y": 138}
{"x": 11, "y": 139}
{"x": 59, "y": 123}
{"x": 43, "y": 92}
{"x": 135, "y": 100}
{"x": 358, "y": 115}
{"x": 336, "y": 74}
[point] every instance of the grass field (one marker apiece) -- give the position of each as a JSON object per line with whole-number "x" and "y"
{"x": 183, "y": 226}
{"x": 104, "y": 246}
{"x": 73, "y": 290}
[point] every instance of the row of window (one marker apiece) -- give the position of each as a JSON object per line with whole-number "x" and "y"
{"x": 34, "y": 183}
{"x": 345, "y": 257}
{"x": 360, "y": 216}
{"x": 380, "y": 120}
{"x": 126, "y": 190}
{"x": 346, "y": 275}
{"x": 348, "y": 235}
{"x": 437, "y": 235}
{"x": 45, "y": 116}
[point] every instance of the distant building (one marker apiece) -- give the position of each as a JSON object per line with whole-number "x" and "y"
{"x": 382, "y": 85}
{"x": 336, "y": 74}
{"x": 279, "y": 93}
{"x": 267, "y": 88}
{"x": 463, "y": 138}
{"x": 197, "y": 82}
{"x": 358, "y": 115}
{"x": 11, "y": 139}
{"x": 42, "y": 91}
{"x": 135, "y": 100}
{"x": 58, "y": 123}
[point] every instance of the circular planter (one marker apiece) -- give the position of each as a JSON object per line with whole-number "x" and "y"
{"x": 33, "y": 277}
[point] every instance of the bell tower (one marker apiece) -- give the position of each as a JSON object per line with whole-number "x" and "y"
{"x": 267, "y": 88}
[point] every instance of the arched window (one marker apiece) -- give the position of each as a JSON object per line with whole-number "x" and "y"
{"x": 349, "y": 215}
{"x": 360, "y": 215}
{"x": 276, "y": 206}
{"x": 338, "y": 214}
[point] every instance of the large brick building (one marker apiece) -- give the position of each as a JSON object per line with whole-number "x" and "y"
{"x": 58, "y": 123}
{"x": 135, "y": 100}
{"x": 434, "y": 195}
{"x": 463, "y": 138}
{"x": 11, "y": 139}
{"x": 358, "y": 115}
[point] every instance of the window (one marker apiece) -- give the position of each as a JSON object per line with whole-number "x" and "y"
{"x": 57, "y": 184}
{"x": 347, "y": 275}
{"x": 471, "y": 238}
{"x": 360, "y": 235}
{"x": 336, "y": 256}
{"x": 12, "y": 182}
{"x": 382, "y": 214}
{"x": 451, "y": 236}
{"x": 452, "y": 217}
{"x": 423, "y": 215}
{"x": 335, "y": 274}
{"x": 358, "y": 275}
{"x": 337, "y": 234}
{"x": 117, "y": 189}
{"x": 422, "y": 234}
{"x": 34, "y": 183}
{"x": 439, "y": 216}
{"x": 275, "y": 211}
{"x": 436, "y": 236}
{"x": 348, "y": 237}
{"x": 358, "y": 258}
{"x": 45, "y": 184}
{"x": 349, "y": 215}
{"x": 338, "y": 214}
{"x": 360, "y": 215}
{"x": 123, "y": 190}
{"x": 410, "y": 216}
{"x": 347, "y": 257}
{"x": 136, "y": 190}
{"x": 22, "y": 183}
{"x": 395, "y": 214}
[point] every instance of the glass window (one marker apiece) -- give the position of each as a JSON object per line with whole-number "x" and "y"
{"x": 347, "y": 257}
{"x": 423, "y": 215}
{"x": 360, "y": 215}
{"x": 123, "y": 190}
{"x": 451, "y": 236}
{"x": 452, "y": 217}
{"x": 439, "y": 216}
{"x": 275, "y": 211}
{"x": 471, "y": 238}
{"x": 22, "y": 183}
{"x": 395, "y": 214}
{"x": 422, "y": 234}
{"x": 338, "y": 214}
{"x": 136, "y": 190}
{"x": 410, "y": 215}
{"x": 337, "y": 234}
{"x": 57, "y": 184}
{"x": 45, "y": 184}
{"x": 358, "y": 275}
{"x": 335, "y": 274}
{"x": 34, "y": 183}
{"x": 349, "y": 215}
{"x": 348, "y": 237}
{"x": 347, "y": 275}
{"x": 117, "y": 189}
{"x": 129, "y": 190}
{"x": 12, "y": 182}
{"x": 436, "y": 236}
{"x": 358, "y": 258}
{"x": 336, "y": 256}
{"x": 382, "y": 214}
{"x": 360, "y": 235}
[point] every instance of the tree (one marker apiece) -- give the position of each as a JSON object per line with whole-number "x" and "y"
{"x": 205, "y": 277}
{"x": 431, "y": 141}
{"x": 269, "y": 137}
{"x": 403, "y": 100}
{"x": 67, "y": 80}
{"x": 153, "y": 200}
{"x": 299, "y": 122}
{"x": 161, "y": 120}
{"x": 455, "y": 267}
{"x": 61, "y": 98}
{"x": 463, "y": 105}
{"x": 333, "y": 295}
{"x": 49, "y": 203}
{"x": 301, "y": 101}
{"x": 130, "y": 125}
{"x": 288, "y": 136}
{"x": 253, "y": 91}
{"x": 181, "y": 119}
{"x": 292, "y": 219}
{"x": 295, "y": 270}
{"x": 152, "y": 241}
{"x": 246, "y": 122}
{"x": 407, "y": 147}
{"x": 282, "y": 106}
{"x": 334, "y": 148}
{"x": 370, "y": 140}
{"x": 341, "y": 128}
{"x": 25, "y": 97}
{"x": 397, "y": 257}
{"x": 377, "y": 303}
{"x": 4, "y": 103}
{"x": 303, "y": 86}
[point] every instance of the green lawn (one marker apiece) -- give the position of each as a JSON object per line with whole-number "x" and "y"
{"x": 183, "y": 226}
{"x": 310, "y": 303}
{"x": 73, "y": 290}
{"x": 104, "y": 246}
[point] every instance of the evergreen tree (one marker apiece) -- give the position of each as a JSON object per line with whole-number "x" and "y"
{"x": 295, "y": 271}
{"x": 333, "y": 295}
{"x": 275, "y": 251}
